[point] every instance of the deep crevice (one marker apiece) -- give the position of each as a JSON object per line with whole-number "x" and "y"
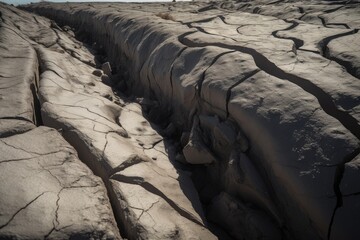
{"x": 34, "y": 87}
{"x": 36, "y": 106}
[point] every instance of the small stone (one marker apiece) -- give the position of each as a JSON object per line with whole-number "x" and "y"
{"x": 97, "y": 72}
{"x": 196, "y": 151}
{"x": 108, "y": 96}
{"x": 106, "y": 68}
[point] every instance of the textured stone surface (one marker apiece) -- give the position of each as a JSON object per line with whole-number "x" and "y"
{"x": 113, "y": 138}
{"x": 264, "y": 94}
{"x": 47, "y": 192}
{"x": 18, "y": 81}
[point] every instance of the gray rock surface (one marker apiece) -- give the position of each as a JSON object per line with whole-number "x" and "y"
{"x": 18, "y": 81}
{"x": 47, "y": 192}
{"x": 114, "y": 140}
{"x": 261, "y": 98}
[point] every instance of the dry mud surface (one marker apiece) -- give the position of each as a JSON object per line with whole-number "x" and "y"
{"x": 197, "y": 120}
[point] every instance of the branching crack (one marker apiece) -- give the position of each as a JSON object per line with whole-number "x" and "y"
{"x": 22, "y": 208}
{"x": 228, "y": 93}
{"x": 149, "y": 187}
{"x": 131, "y": 161}
{"x": 325, "y": 100}
{"x": 202, "y": 78}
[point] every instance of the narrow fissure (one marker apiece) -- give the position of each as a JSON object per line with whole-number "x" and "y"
{"x": 298, "y": 42}
{"x": 228, "y": 93}
{"x": 92, "y": 162}
{"x": 149, "y": 187}
{"x": 338, "y": 176}
{"x": 325, "y": 101}
{"x": 36, "y": 106}
{"x": 202, "y": 79}
{"x": 326, "y": 53}
{"x": 34, "y": 87}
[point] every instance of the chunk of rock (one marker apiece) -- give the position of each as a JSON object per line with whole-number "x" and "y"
{"x": 106, "y": 68}
{"x": 196, "y": 151}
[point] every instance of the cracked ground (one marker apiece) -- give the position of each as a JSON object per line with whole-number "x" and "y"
{"x": 184, "y": 120}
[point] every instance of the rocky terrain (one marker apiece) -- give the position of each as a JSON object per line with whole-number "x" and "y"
{"x": 188, "y": 120}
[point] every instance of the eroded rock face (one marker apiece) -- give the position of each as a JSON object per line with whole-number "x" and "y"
{"x": 152, "y": 199}
{"x": 263, "y": 98}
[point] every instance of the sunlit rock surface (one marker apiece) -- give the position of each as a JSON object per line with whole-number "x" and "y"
{"x": 204, "y": 120}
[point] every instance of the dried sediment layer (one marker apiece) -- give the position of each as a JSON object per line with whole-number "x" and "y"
{"x": 298, "y": 109}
